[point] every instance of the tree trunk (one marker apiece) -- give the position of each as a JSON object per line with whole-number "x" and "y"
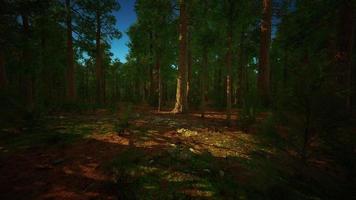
{"x": 28, "y": 79}
{"x": 344, "y": 54}
{"x": 159, "y": 81}
{"x": 189, "y": 70}
{"x": 204, "y": 69}
{"x": 153, "y": 72}
{"x": 71, "y": 93}
{"x": 240, "y": 71}
{"x": 180, "y": 105}
{"x": 98, "y": 67}
{"x": 229, "y": 65}
{"x": 264, "y": 70}
{"x": 3, "y": 78}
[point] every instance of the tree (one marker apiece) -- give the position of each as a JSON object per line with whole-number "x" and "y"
{"x": 97, "y": 15}
{"x": 264, "y": 65}
{"x": 180, "y": 105}
{"x": 230, "y": 7}
{"x": 27, "y": 64}
{"x": 3, "y": 78}
{"x": 71, "y": 93}
{"x": 346, "y": 21}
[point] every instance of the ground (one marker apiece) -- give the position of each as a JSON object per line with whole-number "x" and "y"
{"x": 158, "y": 155}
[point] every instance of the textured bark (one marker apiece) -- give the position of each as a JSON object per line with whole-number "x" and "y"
{"x": 204, "y": 69}
{"x": 229, "y": 64}
{"x": 153, "y": 87}
{"x": 98, "y": 65}
{"x": 180, "y": 106}
{"x": 28, "y": 79}
{"x": 240, "y": 70}
{"x": 3, "y": 78}
{"x": 189, "y": 71}
{"x": 264, "y": 65}
{"x": 71, "y": 93}
{"x": 159, "y": 81}
{"x": 344, "y": 54}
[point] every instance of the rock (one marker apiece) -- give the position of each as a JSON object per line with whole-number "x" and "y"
{"x": 58, "y": 161}
{"x": 192, "y": 150}
{"x": 43, "y": 167}
{"x": 221, "y": 173}
{"x": 150, "y": 162}
{"x": 206, "y": 170}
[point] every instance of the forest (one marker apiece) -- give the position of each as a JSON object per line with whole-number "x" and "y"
{"x": 213, "y": 99}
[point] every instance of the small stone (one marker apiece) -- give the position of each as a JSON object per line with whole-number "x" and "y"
{"x": 192, "y": 150}
{"x": 221, "y": 173}
{"x": 58, "y": 161}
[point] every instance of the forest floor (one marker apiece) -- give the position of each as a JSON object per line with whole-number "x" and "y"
{"x": 158, "y": 156}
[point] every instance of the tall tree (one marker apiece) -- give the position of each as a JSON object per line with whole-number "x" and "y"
{"x": 346, "y": 21}
{"x": 71, "y": 93}
{"x": 180, "y": 105}
{"x": 27, "y": 64}
{"x": 264, "y": 65}
{"x": 229, "y": 31}
{"x": 97, "y": 15}
{"x": 3, "y": 78}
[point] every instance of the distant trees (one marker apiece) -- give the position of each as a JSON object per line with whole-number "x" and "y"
{"x": 45, "y": 46}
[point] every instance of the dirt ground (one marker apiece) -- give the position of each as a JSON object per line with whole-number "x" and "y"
{"x": 75, "y": 162}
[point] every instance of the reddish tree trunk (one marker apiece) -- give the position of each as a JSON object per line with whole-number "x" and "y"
{"x": 344, "y": 54}
{"x": 240, "y": 71}
{"x": 3, "y": 78}
{"x": 229, "y": 64}
{"x": 99, "y": 68}
{"x": 204, "y": 69}
{"x": 264, "y": 65}
{"x": 28, "y": 79}
{"x": 189, "y": 70}
{"x": 180, "y": 105}
{"x": 70, "y": 56}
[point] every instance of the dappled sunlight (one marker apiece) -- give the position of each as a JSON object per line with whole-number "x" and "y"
{"x": 111, "y": 138}
{"x": 215, "y": 115}
{"x": 158, "y": 156}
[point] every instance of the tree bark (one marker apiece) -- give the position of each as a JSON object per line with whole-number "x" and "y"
{"x": 153, "y": 73}
{"x": 71, "y": 93}
{"x": 28, "y": 79}
{"x": 180, "y": 105}
{"x": 204, "y": 69}
{"x": 264, "y": 65}
{"x": 229, "y": 65}
{"x": 159, "y": 81}
{"x": 3, "y": 78}
{"x": 345, "y": 47}
{"x": 99, "y": 67}
{"x": 189, "y": 70}
{"x": 240, "y": 70}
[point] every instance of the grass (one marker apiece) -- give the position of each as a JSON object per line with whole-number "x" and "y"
{"x": 181, "y": 174}
{"x": 54, "y": 134}
{"x": 203, "y": 165}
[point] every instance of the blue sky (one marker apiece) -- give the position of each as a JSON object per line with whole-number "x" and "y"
{"x": 125, "y": 17}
